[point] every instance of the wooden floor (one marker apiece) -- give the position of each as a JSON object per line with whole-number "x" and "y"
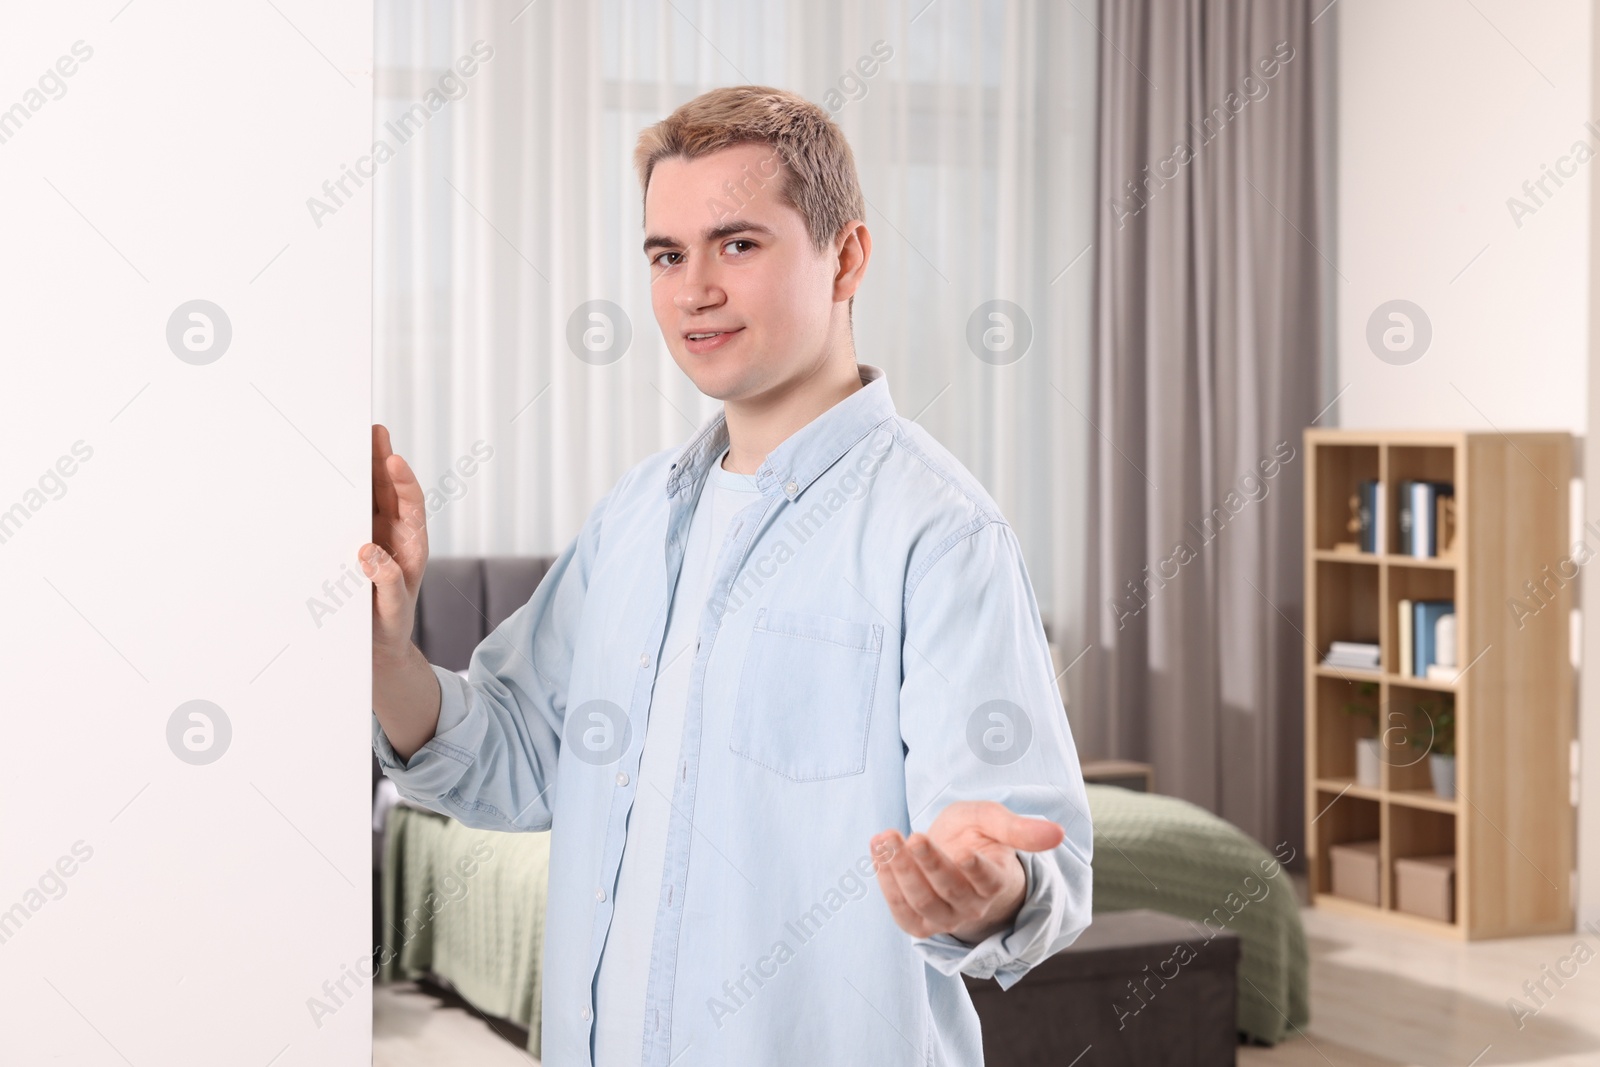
{"x": 1383, "y": 997}
{"x": 413, "y": 1026}
{"x": 1379, "y": 998}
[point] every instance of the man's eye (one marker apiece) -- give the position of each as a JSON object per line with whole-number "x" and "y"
{"x": 736, "y": 241}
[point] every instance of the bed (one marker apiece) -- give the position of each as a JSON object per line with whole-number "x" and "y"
{"x": 481, "y": 933}
{"x": 485, "y": 937}
{"x": 1162, "y": 853}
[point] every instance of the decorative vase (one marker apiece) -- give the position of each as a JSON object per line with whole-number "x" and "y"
{"x": 1443, "y": 769}
{"x": 1367, "y": 755}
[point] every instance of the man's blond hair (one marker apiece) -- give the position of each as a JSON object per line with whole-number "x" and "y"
{"x": 818, "y": 173}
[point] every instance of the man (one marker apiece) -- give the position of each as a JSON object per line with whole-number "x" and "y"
{"x": 796, "y": 658}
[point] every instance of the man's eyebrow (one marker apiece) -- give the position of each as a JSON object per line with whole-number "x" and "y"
{"x": 714, "y": 233}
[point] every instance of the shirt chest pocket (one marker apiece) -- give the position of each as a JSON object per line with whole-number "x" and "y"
{"x": 804, "y": 701}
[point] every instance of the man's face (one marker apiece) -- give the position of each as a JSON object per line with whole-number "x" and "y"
{"x": 737, "y": 261}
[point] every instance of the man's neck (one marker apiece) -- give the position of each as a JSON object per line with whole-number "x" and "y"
{"x": 754, "y": 430}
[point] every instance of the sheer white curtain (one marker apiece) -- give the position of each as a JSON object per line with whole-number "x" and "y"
{"x": 513, "y": 201}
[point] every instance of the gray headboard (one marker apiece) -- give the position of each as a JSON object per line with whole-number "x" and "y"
{"x": 463, "y": 599}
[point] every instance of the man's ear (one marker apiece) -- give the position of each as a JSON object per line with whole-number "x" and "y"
{"x": 852, "y": 250}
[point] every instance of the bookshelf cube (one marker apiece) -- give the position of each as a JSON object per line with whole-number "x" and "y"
{"x": 1508, "y": 821}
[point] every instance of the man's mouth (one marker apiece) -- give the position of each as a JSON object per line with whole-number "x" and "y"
{"x": 699, "y": 341}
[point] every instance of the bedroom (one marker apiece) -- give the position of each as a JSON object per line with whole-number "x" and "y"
{"x": 1062, "y": 430}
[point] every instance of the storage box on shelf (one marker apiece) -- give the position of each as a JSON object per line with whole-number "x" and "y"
{"x": 1425, "y": 885}
{"x": 1485, "y": 849}
{"x": 1356, "y": 872}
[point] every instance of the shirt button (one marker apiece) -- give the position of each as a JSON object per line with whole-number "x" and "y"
{"x": 585, "y": 1014}
{"x": 600, "y": 894}
{"x": 622, "y": 778}
{"x": 644, "y": 659}
{"x": 791, "y": 488}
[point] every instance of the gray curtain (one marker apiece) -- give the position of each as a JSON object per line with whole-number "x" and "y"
{"x": 1212, "y": 313}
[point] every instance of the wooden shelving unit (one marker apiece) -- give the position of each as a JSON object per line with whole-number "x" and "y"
{"x": 1510, "y": 824}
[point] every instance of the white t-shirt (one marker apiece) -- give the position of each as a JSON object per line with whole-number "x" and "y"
{"x": 625, "y": 959}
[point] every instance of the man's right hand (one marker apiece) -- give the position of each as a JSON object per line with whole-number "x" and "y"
{"x": 398, "y": 553}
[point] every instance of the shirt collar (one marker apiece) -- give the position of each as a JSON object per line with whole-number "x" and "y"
{"x": 804, "y": 454}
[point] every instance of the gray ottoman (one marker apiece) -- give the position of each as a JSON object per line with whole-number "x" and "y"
{"x": 1140, "y": 988}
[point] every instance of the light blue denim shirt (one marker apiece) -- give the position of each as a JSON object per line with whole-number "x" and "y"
{"x": 871, "y": 650}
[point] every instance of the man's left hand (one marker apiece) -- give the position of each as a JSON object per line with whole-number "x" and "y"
{"x": 963, "y": 877}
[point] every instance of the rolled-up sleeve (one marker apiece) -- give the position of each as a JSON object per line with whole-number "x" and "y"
{"x": 491, "y": 763}
{"x": 981, "y": 718}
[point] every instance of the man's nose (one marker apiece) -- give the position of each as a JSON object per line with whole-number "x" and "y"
{"x": 698, "y": 288}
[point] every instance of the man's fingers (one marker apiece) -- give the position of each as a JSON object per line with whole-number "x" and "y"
{"x": 1019, "y": 831}
{"x": 408, "y": 527}
{"x": 1033, "y": 835}
{"x": 388, "y": 581}
{"x": 972, "y": 879}
{"x": 379, "y": 567}
{"x": 920, "y": 893}
{"x": 383, "y": 497}
{"x": 905, "y": 913}
{"x": 902, "y": 912}
{"x": 967, "y": 883}
{"x": 398, "y": 505}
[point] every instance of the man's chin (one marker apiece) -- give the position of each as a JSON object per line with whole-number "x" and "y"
{"x": 729, "y": 381}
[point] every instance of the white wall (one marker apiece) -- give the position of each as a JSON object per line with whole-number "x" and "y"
{"x": 1445, "y": 110}
{"x": 176, "y": 890}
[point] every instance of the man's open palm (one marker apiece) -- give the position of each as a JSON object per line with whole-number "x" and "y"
{"x": 963, "y": 877}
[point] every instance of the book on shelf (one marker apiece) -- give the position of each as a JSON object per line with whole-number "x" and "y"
{"x": 1420, "y": 647}
{"x": 1422, "y": 513}
{"x": 1371, "y": 515}
{"x": 1403, "y": 639}
{"x": 1438, "y": 672}
{"x": 1337, "y": 663}
{"x": 1353, "y": 655}
{"x": 1404, "y": 518}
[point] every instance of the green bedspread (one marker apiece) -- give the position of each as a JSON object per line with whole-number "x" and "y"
{"x": 468, "y": 906}
{"x": 1159, "y": 852}
{"x": 483, "y": 931}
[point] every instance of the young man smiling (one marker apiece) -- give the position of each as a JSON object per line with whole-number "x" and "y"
{"x": 798, "y": 653}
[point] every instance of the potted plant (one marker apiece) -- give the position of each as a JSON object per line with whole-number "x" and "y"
{"x": 1436, "y": 736}
{"x": 1367, "y": 748}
